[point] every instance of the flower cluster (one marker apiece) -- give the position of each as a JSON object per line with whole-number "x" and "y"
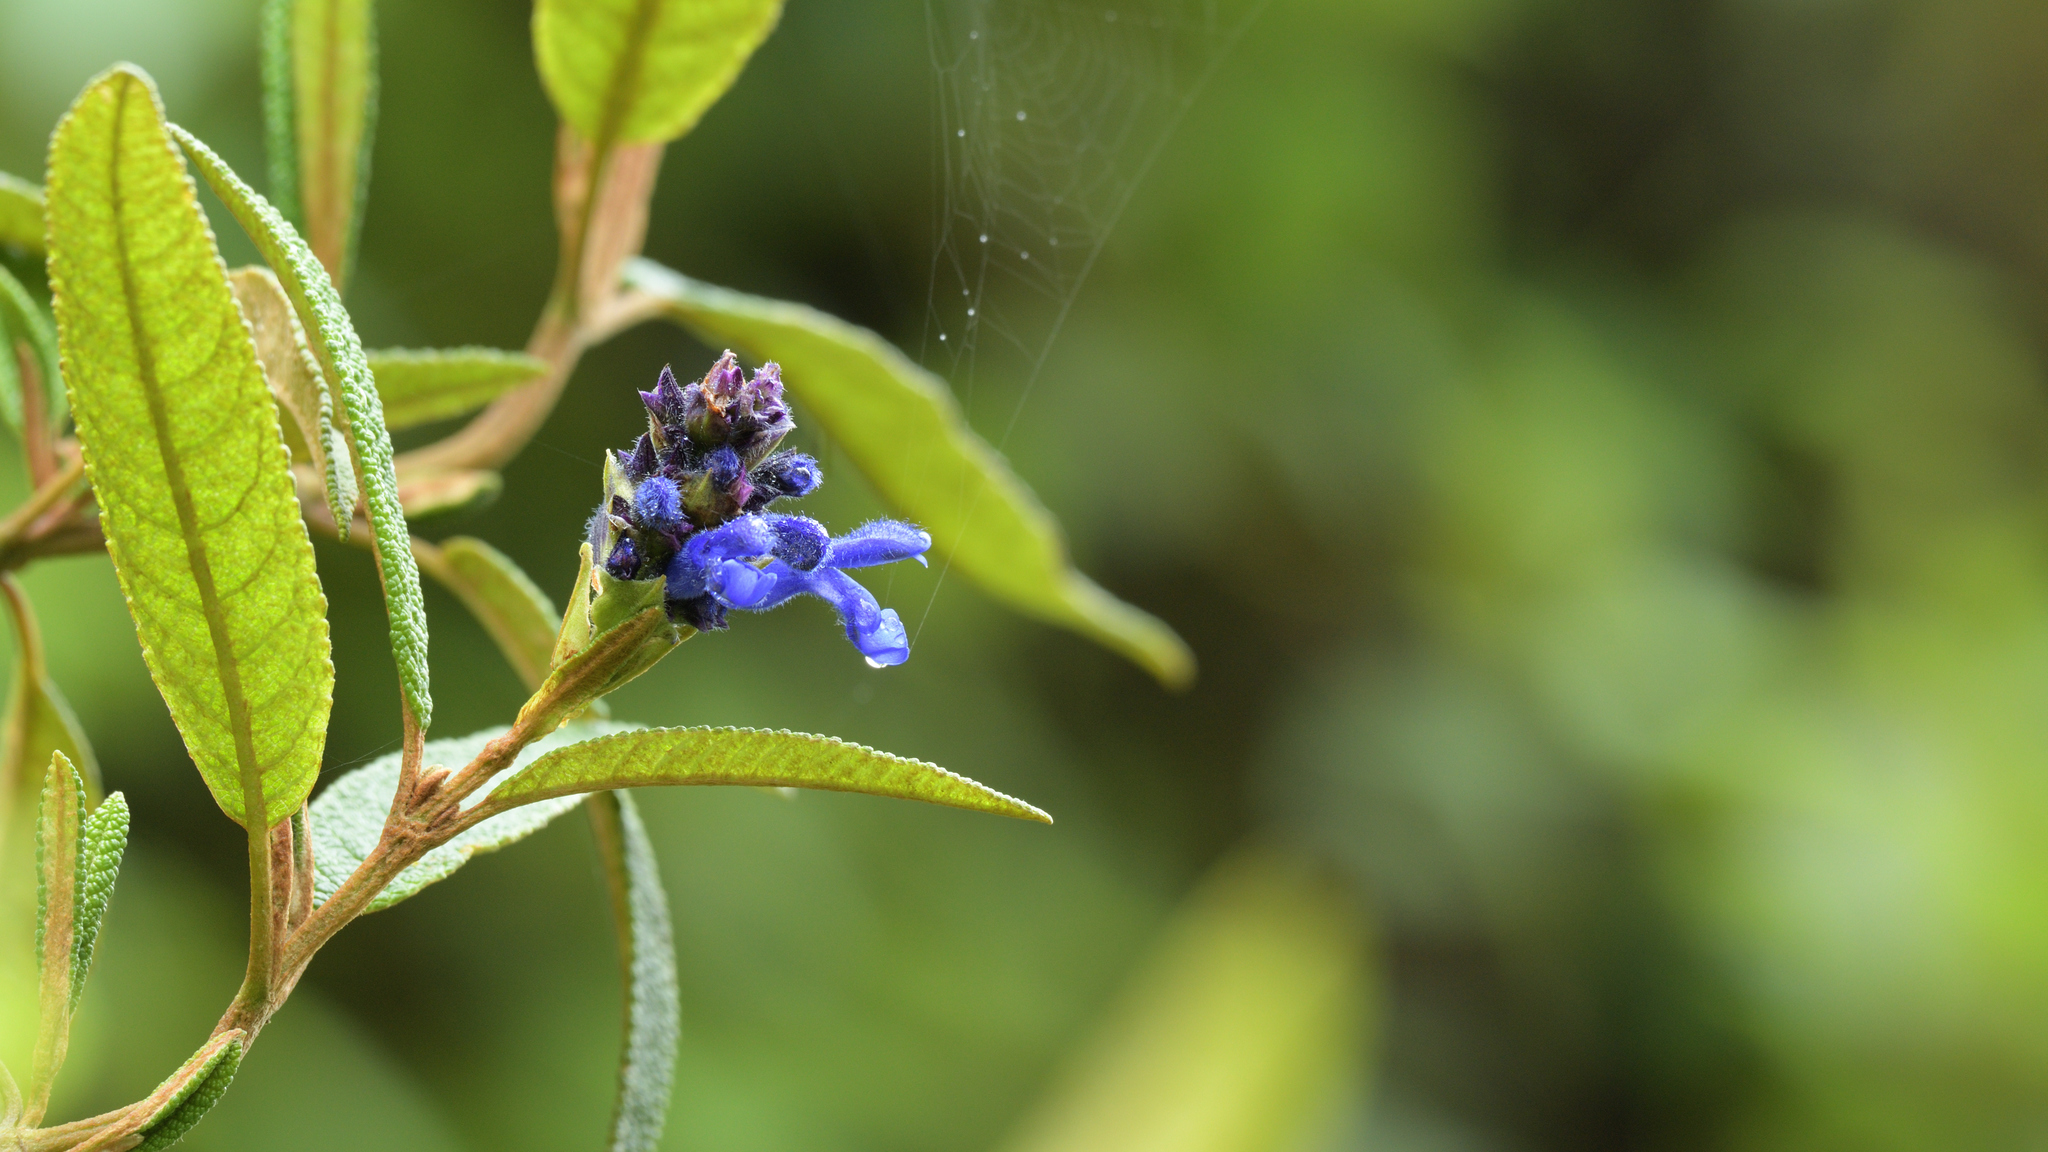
{"x": 690, "y": 502}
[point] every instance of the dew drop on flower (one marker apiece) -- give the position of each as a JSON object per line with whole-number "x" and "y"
{"x": 874, "y": 663}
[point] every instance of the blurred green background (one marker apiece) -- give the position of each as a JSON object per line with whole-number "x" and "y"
{"x": 1598, "y": 452}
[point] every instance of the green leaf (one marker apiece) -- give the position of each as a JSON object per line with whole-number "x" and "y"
{"x": 296, "y": 382}
{"x": 103, "y": 843}
{"x": 341, "y": 358}
{"x": 38, "y": 720}
{"x": 320, "y": 112}
{"x": 419, "y": 387}
{"x": 21, "y": 213}
{"x": 642, "y": 71}
{"x": 22, "y": 322}
{"x": 902, "y": 428}
{"x": 1242, "y": 1032}
{"x": 647, "y": 957}
{"x": 191, "y": 1092}
{"x": 511, "y": 608}
{"x": 746, "y": 756}
{"x": 348, "y": 815}
{"x": 185, "y": 455}
{"x": 60, "y": 826}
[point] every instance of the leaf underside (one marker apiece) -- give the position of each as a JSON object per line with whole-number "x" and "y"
{"x": 421, "y": 386}
{"x": 511, "y": 608}
{"x": 647, "y": 955}
{"x": 643, "y": 71}
{"x": 185, "y": 454}
{"x": 295, "y": 380}
{"x": 333, "y": 54}
{"x": 901, "y": 427}
{"x": 748, "y": 756}
{"x": 348, "y": 815}
{"x": 340, "y": 352}
{"x": 191, "y": 1092}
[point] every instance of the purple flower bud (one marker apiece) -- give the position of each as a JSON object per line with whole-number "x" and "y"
{"x": 624, "y": 561}
{"x": 880, "y": 542}
{"x": 593, "y": 530}
{"x": 705, "y": 613}
{"x": 665, "y": 403}
{"x": 685, "y": 576}
{"x": 644, "y": 461}
{"x": 790, "y": 474}
{"x": 741, "y": 539}
{"x": 659, "y": 503}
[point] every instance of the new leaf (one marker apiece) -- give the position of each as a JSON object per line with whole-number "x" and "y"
{"x": 21, "y": 213}
{"x": 185, "y": 455}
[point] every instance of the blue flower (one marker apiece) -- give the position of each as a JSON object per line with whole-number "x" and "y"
{"x": 694, "y": 509}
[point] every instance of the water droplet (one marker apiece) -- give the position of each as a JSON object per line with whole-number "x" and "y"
{"x": 1053, "y": 240}
{"x": 974, "y": 35}
{"x": 961, "y": 132}
{"x": 1023, "y": 255}
{"x": 984, "y": 237}
{"x": 1020, "y": 114}
{"x": 872, "y": 662}
{"x": 970, "y": 311}
{"x": 942, "y": 335}
{"x": 1110, "y": 15}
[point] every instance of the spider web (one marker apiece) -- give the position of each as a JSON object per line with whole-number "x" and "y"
{"x": 1048, "y": 114}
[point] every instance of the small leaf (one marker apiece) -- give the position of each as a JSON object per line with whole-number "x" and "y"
{"x": 295, "y": 380}
{"x": 21, "y": 214}
{"x": 643, "y": 71}
{"x": 419, "y": 387}
{"x": 341, "y": 358}
{"x": 59, "y": 839}
{"x": 101, "y": 846}
{"x": 575, "y": 630}
{"x": 440, "y": 493}
{"x": 348, "y": 815}
{"x": 747, "y": 756}
{"x": 38, "y": 720}
{"x": 1242, "y": 1032}
{"x": 332, "y": 45}
{"x": 185, "y": 455}
{"x": 902, "y": 428}
{"x": 647, "y": 956}
{"x": 191, "y": 1092}
{"x": 511, "y": 608}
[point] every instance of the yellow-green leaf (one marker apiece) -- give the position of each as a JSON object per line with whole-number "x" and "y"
{"x": 419, "y": 387}
{"x": 647, "y": 961}
{"x": 21, "y": 213}
{"x": 900, "y": 426}
{"x": 189, "y": 1094}
{"x": 340, "y": 353}
{"x": 185, "y": 455}
{"x": 643, "y": 71}
{"x": 1242, "y": 1032}
{"x": 504, "y": 600}
{"x": 748, "y": 756}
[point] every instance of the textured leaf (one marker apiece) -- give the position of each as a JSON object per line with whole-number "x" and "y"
{"x": 348, "y": 816}
{"x": 38, "y": 720}
{"x": 901, "y": 427}
{"x": 642, "y": 71}
{"x": 191, "y": 1092}
{"x": 647, "y": 956}
{"x": 185, "y": 455}
{"x": 509, "y": 606}
{"x": 21, "y": 213}
{"x": 332, "y": 51}
{"x": 295, "y": 380}
{"x": 341, "y": 358}
{"x": 1241, "y": 1033}
{"x": 60, "y": 823}
{"x": 748, "y": 756}
{"x": 104, "y": 841}
{"x": 419, "y": 387}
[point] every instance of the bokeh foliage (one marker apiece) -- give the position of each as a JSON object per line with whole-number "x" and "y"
{"x": 1598, "y": 453}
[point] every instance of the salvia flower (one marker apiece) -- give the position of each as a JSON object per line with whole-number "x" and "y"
{"x": 690, "y": 502}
